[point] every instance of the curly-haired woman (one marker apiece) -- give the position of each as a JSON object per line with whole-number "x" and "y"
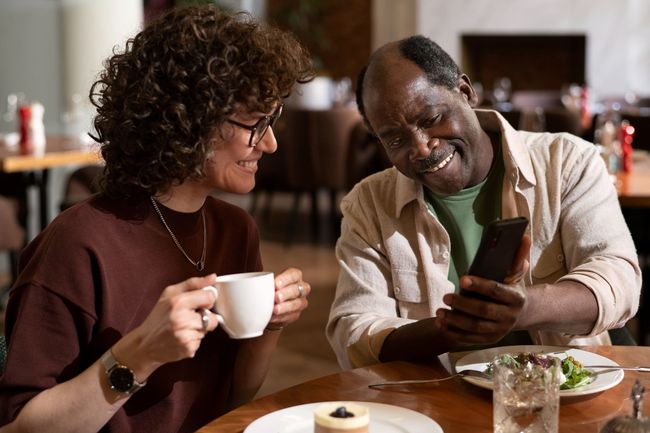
{"x": 186, "y": 108}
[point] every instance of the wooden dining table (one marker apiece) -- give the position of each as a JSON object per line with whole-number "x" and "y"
{"x": 60, "y": 151}
{"x": 634, "y": 187}
{"x": 456, "y": 405}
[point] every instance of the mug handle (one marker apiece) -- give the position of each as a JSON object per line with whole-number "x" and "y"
{"x": 213, "y": 309}
{"x": 215, "y": 292}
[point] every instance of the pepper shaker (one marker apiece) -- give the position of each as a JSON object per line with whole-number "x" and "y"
{"x": 630, "y": 424}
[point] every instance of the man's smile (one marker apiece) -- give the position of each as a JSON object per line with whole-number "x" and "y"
{"x": 431, "y": 164}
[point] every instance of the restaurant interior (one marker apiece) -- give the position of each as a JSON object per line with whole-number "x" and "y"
{"x": 554, "y": 65}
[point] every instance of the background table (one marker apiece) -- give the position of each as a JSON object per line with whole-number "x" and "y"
{"x": 634, "y": 187}
{"x": 456, "y": 405}
{"x": 60, "y": 151}
{"x": 634, "y": 196}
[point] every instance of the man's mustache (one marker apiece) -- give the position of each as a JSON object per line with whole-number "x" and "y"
{"x": 433, "y": 159}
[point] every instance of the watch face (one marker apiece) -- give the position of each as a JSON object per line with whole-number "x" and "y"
{"x": 121, "y": 379}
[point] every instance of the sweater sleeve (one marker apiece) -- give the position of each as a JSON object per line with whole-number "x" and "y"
{"x": 44, "y": 346}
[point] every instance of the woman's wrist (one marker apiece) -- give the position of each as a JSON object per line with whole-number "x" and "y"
{"x": 127, "y": 351}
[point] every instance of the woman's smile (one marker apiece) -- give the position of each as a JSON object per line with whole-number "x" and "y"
{"x": 249, "y": 165}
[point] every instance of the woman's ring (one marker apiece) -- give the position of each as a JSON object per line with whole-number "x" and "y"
{"x": 205, "y": 320}
{"x": 301, "y": 290}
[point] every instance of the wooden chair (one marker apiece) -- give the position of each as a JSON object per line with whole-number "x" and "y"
{"x": 12, "y": 237}
{"x": 311, "y": 156}
{"x": 290, "y": 169}
{"x": 365, "y": 155}
{"x": 330, "y": 137}
{"x": 81, "y": 184}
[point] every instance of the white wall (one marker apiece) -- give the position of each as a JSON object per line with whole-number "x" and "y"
{"x": 90, "y": 29}
{"x": 50, "y": 49}
{"x": 392, "y": 20}
{"x": 618, "y": 33}
{"x": 30, "y": 60}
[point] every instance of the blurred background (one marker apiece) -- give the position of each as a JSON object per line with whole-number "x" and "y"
{"x": 581, "y": 66}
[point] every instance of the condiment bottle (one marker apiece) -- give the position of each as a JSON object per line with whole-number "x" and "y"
{"x": 26, "y": 144}
{"x": 37, "y": 128}
{"x": 626, "y": 137}
{"x": 630, "y": 424}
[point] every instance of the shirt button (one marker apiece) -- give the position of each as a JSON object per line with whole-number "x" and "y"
{"x": 397, "y": 289}
{"x": 445, "y": 255}
{"x": 560, "y": 258}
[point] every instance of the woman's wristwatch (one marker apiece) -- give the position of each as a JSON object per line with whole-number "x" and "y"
{"x": 120, "y": 377}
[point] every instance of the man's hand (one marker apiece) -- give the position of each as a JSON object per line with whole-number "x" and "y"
{"x": 476, "y": 321}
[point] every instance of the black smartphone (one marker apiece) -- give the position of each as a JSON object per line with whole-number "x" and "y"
{"x": 497, "y": 250}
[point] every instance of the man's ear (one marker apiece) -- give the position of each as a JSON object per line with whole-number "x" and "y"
{"x": 467, "y": 90}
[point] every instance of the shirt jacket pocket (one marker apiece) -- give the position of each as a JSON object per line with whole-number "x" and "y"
{"x": 409, "y": 289}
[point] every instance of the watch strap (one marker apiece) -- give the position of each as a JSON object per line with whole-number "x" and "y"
{"x": 109, "y": 363}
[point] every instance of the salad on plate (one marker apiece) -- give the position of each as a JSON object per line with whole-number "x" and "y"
{"x": 574, "y": 375}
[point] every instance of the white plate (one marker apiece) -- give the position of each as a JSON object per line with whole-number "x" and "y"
{"x": 384, "y": 418}
{"x": 607, "y": 379}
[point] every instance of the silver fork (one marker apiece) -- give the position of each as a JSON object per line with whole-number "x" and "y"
{"x": 463, "y": 373}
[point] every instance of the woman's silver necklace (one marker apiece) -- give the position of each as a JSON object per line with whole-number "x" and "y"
{"x": 200, "y": 264}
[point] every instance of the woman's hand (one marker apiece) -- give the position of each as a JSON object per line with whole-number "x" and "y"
{"x": 173, "y": 330}
{"x": 290, "y": 298}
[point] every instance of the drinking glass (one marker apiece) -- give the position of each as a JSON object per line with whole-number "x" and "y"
{"x": 526, "y": 398}
{"x": 501, "y": 90}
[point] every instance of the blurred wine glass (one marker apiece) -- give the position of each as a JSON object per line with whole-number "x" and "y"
{"x": 76, "y": 121}
{"x": 501, "y": 91}
{"x": 342, "y": 92}
{"x": 9, "y": 121}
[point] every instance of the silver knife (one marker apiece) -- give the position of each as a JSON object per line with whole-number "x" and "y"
{"x": 618, "y": 367}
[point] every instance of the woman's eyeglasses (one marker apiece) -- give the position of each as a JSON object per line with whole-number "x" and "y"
{"x": 260, "y": 127}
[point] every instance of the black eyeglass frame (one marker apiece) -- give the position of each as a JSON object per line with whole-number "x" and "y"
{"x": 263, "y": 125}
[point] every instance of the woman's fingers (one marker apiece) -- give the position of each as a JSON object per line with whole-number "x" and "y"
{"x": 290, "y": 297}
{"x": 287, "y": 277}
{"x": 190, "y": 284}
{"x": 180, "y": 319}
{"x": 290, "y": 285}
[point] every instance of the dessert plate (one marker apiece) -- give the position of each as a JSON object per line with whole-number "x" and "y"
{"x": 384, "y": 418}
{"x": 604, "y": 379}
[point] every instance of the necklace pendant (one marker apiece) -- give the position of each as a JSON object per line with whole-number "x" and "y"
{"x": 200, "y": 264}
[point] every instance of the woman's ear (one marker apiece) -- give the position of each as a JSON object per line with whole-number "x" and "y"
{"x": 467, "y": 90}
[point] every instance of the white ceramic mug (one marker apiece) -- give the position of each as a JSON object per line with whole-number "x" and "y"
{"x": 244, "y": 303}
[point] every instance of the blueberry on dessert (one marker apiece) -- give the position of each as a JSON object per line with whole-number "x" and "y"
{"x": 341, "y": 417}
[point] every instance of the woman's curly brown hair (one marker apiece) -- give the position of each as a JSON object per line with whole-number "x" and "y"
{"x": 160, "y": 101}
